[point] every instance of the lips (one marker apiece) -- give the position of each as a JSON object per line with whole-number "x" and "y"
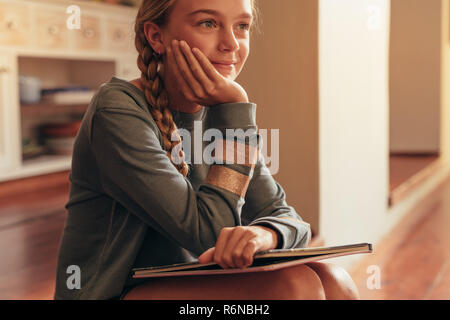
{"x": 225, "y": 65}
{"x": 224, "y": 62}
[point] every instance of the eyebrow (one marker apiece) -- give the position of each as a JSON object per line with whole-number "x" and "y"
{"x": 217, "y": 13}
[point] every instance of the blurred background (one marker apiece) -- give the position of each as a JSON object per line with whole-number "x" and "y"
{"x": 358, "y": 89}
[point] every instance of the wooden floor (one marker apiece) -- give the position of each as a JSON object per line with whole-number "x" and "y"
{"x": 30, "y": 229}
{"x": 31, "y": 225}
{"x": 409, "y": 171}
{"x": 404, "y": 166}
{"x": 414, "y": 259}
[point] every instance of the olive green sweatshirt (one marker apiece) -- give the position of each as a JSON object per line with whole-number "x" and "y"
{"x": 130, "y": 207}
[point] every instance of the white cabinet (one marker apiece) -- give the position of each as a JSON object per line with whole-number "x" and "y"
{"x": 9, "y": 138}
{"x": 35, "y": 41}
{"x": 127, "y": 69}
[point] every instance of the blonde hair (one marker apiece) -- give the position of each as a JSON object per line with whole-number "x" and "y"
{"x": 158, "y": 11}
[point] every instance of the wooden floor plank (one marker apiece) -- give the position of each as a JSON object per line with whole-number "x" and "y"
{"x": 408, "y": 172}
{"x": 414, "y": 253}
{"x": 440, "y": 290}
{"x": 404, "y": 166}
{"x": 29, "y": 251}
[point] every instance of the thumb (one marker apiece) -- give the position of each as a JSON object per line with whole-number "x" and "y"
{"x": 207, "y": 256}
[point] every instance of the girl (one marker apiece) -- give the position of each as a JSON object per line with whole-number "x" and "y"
{"x": 136, "y": 200}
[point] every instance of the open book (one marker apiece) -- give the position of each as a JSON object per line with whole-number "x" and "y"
{"x": 262, "y": 261}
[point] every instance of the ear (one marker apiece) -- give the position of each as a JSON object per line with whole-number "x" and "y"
{"x": 154, "y": 36}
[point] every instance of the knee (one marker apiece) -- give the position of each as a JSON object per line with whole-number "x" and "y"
{"x": 300, "y": 283}
{"x": 337, "y": 283}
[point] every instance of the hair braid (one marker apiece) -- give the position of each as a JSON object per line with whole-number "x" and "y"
{"x": 156, "y": 96}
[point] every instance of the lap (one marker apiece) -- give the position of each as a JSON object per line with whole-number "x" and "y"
{"x": 298, "y": 282}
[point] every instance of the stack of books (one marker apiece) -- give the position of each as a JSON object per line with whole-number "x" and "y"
{"x": 67, "y": 95}
{"x": 59, "y": 138}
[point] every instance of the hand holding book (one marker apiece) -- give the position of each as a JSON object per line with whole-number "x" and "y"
{"x": 236, "y": 246}
{"x": 262, "y": 261}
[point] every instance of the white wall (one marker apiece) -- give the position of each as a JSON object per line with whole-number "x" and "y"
{"x": 353, "y": 94}
{"x": 354, "y": 124}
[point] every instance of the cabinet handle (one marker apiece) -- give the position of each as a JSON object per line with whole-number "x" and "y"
{"x": 53, "y": 30}
{"x": 4, "y": 69}
{"x": 12, "y": 25}
{"x": 118, "y": 35}
{"x": 89, "y": 32}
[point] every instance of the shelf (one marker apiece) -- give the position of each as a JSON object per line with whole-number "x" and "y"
{"x": 42, "y": 109}
{"x": 37, "y": 166}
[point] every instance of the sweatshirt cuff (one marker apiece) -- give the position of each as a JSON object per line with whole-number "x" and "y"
{"x": 235, "y": 115}
{"x": 290, "y": 237}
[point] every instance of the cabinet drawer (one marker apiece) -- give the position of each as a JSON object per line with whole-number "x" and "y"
{"x": 88, "y": 37}
{"x": 51, "y": 29}
{"x": 120, "y": 35}
{"x": 14, "y": 24}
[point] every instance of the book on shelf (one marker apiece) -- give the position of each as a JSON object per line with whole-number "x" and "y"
{"x": 67, "y": 95}
{"x": 262, "y": 261}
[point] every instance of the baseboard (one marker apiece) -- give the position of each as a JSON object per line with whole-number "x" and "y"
{"x": 36, "y": 183}
{"x": 409, "y": 186}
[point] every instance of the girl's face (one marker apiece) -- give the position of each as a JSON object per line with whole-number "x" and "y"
{"x": 219, "y": 28}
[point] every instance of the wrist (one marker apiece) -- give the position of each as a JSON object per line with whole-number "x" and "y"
{"x": 274, "y": 235}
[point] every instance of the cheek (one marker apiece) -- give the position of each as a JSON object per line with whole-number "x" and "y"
{"x": 200, "y": 41}
{"x": 243, "y": 55}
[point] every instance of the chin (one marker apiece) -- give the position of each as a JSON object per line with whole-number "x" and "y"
{"x": 229, "y": 75}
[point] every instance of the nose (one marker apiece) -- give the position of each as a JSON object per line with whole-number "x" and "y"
{"x": 228, "y": 41}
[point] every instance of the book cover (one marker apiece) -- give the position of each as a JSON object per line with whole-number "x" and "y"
{"x": 262, "y": 261}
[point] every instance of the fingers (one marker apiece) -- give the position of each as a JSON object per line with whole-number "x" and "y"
{"x": 196, "y": 68}
{"x": 230, "y": 256}
{"x": 242, "y": 253}
{"x": 185, "y": 70}
{"x": 220, "y": 246}
{"x": 207, "y": 256}
{"x": 235, "y": 247}
{"x": 211, "y": 72}
{"x": 185, "y": 88}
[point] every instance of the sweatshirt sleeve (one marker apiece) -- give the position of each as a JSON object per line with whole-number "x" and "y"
{"x": 265, "y": 204}
{"x": 265, "y": 200}
{"x": 137, "y": 173}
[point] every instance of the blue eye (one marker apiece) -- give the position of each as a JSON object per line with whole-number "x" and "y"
{"x": 207, "y": 22}
{"x": 246, "y": 26}
{"x": 211, "y": 23}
